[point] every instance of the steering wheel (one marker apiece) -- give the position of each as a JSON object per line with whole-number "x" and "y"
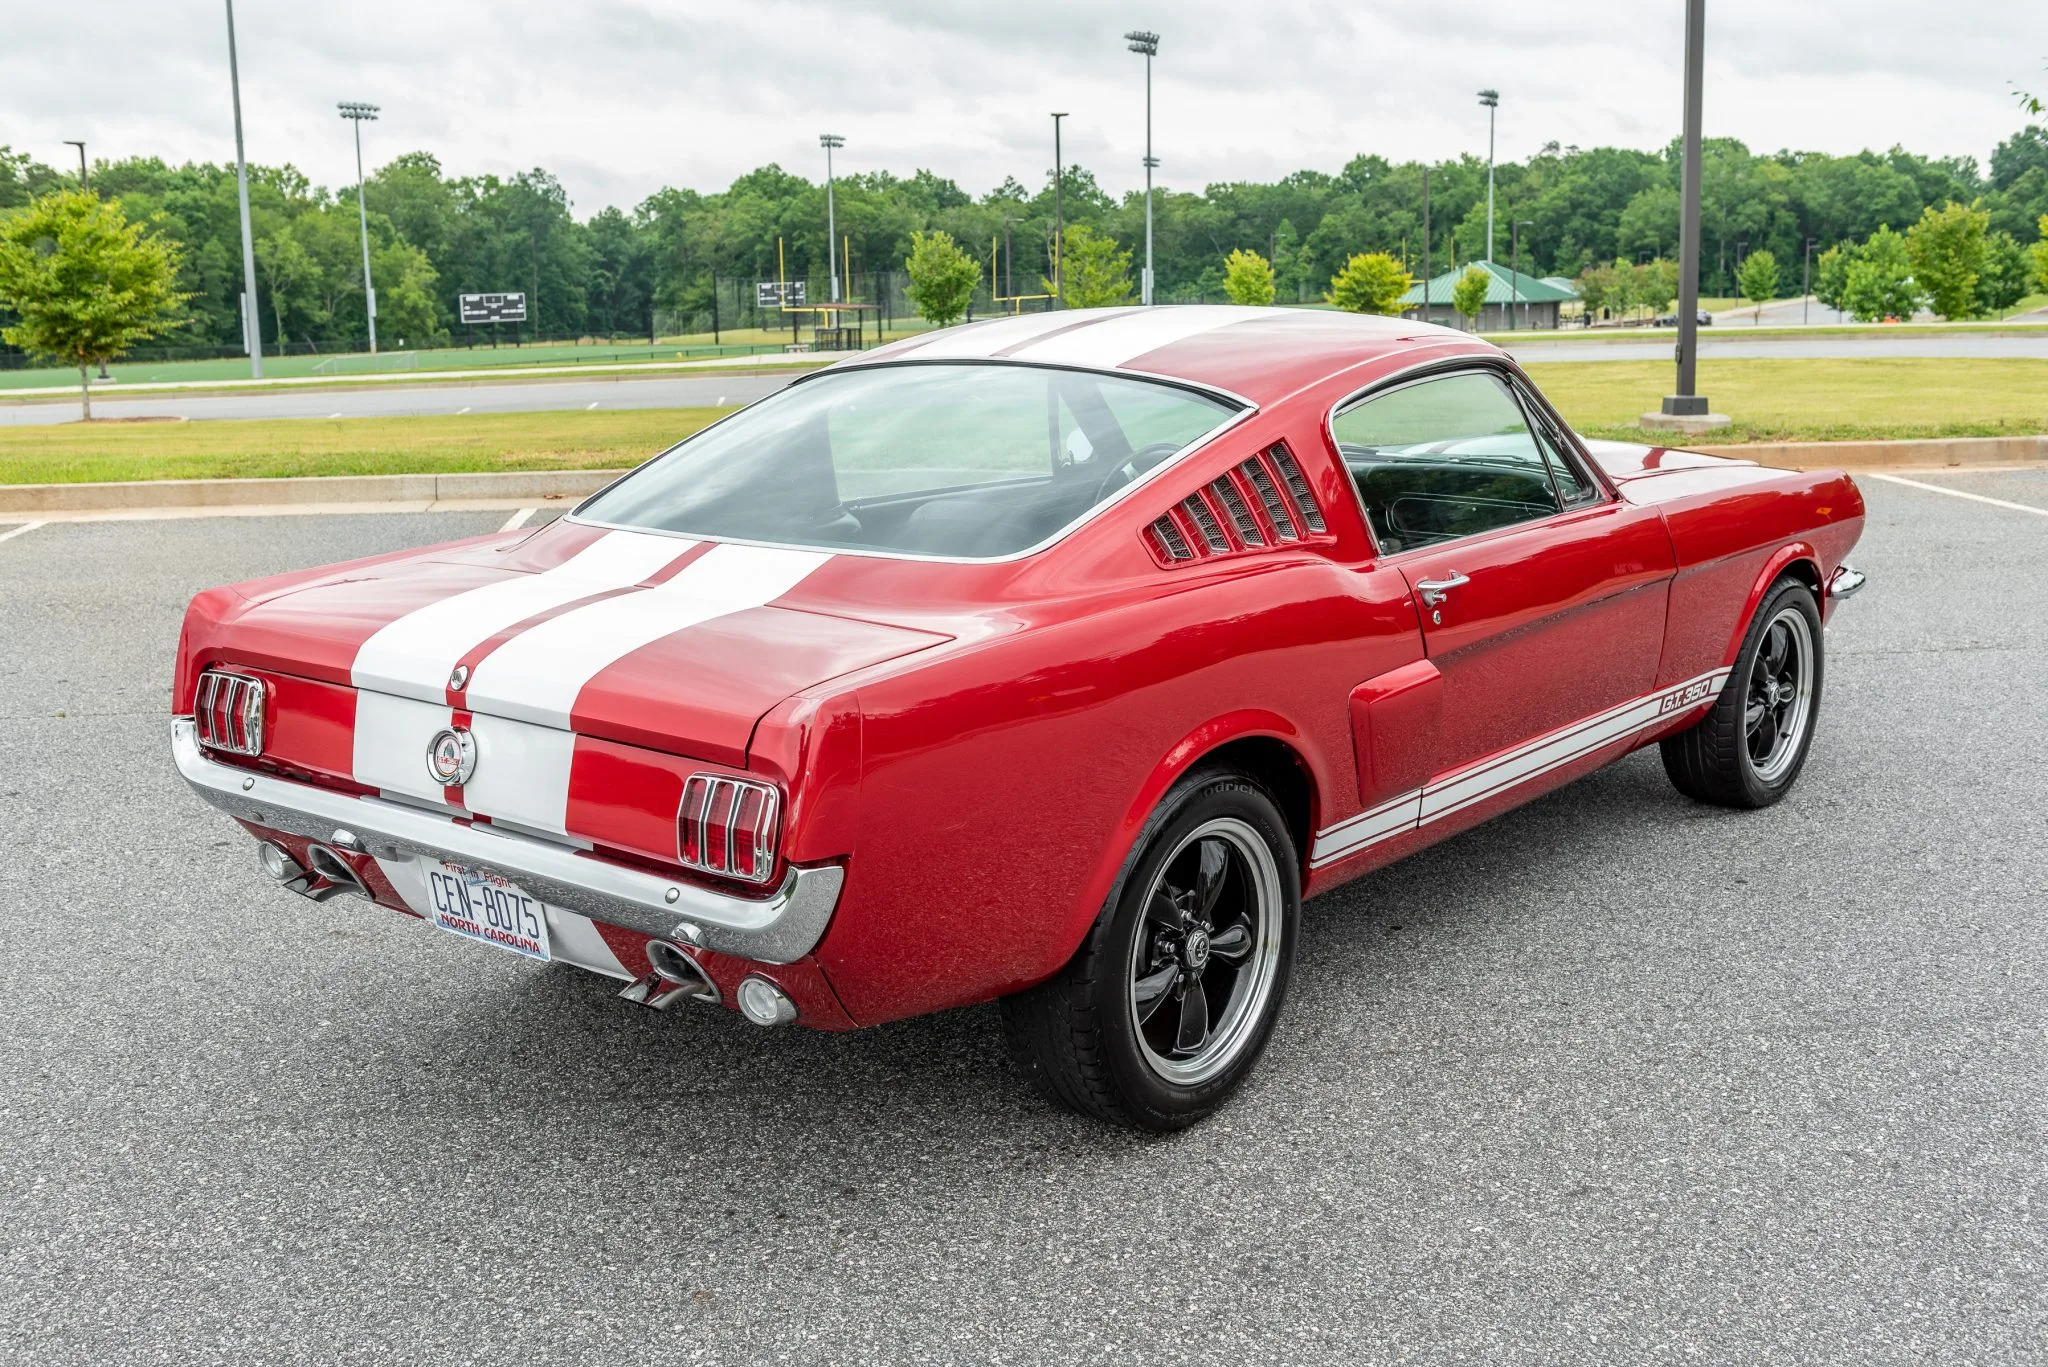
{"x": 1129, "y": 470}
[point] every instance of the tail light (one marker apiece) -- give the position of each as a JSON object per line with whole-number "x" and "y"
{"x": 727, "y": 826}
{"x": 228, "y": 710}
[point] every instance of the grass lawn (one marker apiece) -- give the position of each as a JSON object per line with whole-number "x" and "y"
{"x": 78, "y": 452}
{"x": 1813, "y": 400}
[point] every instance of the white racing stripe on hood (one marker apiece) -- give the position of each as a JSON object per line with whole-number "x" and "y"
{"x": 1123, "y": 338}
{"x": 537, "y": 675}
{"x": 413, "y": 656}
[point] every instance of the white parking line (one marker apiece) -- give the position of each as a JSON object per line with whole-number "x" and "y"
{"x": 592, "y": 404}
{"x": 18, "y": 531}
{"x": 460, "y": 411}
{"x": 1958, "y": 493}
{"x": 334, "y": 415}
{"x": 518, "y": 519}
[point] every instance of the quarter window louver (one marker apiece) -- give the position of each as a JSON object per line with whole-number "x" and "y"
{"x": 1297, "y": 485}
{"x": 1240, "y": 515}
{"x": 1171, "y": 543}
{"x": 1197, "y": 509}
{"x": 1254, "y": 471}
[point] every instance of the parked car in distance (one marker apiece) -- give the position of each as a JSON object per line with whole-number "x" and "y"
{"x": 1051, "y": 659}
{"x": 1670, "y": 320}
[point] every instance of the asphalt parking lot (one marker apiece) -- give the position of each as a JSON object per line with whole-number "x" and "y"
{"x": 1614, "y": 1079}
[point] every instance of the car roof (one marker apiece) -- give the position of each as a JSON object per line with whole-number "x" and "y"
{"x": 1260, "y": 354}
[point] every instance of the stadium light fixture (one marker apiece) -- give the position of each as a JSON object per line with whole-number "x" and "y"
{"x": 1146, "y": 45}
{"x": 829, "y": 141}
{"x": 357, "y": 113}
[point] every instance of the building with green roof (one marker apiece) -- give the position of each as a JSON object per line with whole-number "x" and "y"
{"x": 1533, "y": 302}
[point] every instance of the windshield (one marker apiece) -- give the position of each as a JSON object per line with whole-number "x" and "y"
{"x": 957, "y": 460}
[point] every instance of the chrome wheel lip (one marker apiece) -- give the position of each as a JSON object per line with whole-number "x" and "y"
{"x": 1252, "y": 989}
{"x": 1796, "y": 700}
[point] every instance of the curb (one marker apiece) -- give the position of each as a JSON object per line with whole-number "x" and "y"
{"x": 540, "y": 486}
{"x": 1888, "y": 455}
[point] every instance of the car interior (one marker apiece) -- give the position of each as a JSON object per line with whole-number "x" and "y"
{"x": 1452, "y": 456}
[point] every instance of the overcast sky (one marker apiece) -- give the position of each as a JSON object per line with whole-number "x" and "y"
{"x": 619, "y": 97}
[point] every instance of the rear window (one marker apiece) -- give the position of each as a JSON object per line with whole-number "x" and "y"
{"x": 955, "y": 460}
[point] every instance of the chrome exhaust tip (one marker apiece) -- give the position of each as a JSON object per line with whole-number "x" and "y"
{"x": 676, "y": 977}
{"x": 333, "y": 875}
{"x": 278, "y": 863}
{"x": 765, "y": 1004}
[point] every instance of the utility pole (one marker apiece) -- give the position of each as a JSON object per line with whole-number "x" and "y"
{"x": 828, "y": 141}
{"x": 356, "y": 112}
{"x": 1147, "y": 43}
{"x": 1515, "y": 266}
{"x": 1686, "y": 409}
{"x": 1806, "y": 283}
{"x": 84, "y": 181}
{"x": 1059, "y": 218}
{"x": 1491, "y": 99}
{"x": 251, "y": 328}
{"x": 1425, "y": 242}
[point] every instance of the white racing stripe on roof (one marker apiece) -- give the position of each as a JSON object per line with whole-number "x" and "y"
{"x": 413, "y": 655}
{"x": 1122, "y": 338}
{"x": 984, "y": 340}
{"x": 537, "y": 675}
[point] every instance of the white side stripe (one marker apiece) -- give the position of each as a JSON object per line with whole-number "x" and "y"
{"x": 1125, "y": 337}
{"x": 537, "y": 675}
{"x": 987, "y": 339}
{"x": 413, "y": 656}
{"x": 1491, "y": 777}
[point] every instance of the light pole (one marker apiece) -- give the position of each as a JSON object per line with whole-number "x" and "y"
{"x": 1806, "y": 283}
{"x": 1059, "y": 218}
{"x": 829, "y": 141}
{"x": 1491, "y": 99}
{"x": 84, "y": 182}
{"x": 1515, "y": 265}
{"x": 356, "y": 112}
{"x": 250, "y": 327}
{"x": 1686, "y": 409}
{"x": 1148, "y": 44}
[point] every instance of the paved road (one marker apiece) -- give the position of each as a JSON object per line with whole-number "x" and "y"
{"x": 1614, "y": 1079}
{"x": 1727, "y": 343}
{"x": 381, "y": 401}
{"x": 685, "y": 392}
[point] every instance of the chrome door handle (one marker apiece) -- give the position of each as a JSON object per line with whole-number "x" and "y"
{"x": 1434, "y": 591}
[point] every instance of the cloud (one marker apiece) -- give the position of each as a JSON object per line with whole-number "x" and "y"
{"x": 623, "y": 96}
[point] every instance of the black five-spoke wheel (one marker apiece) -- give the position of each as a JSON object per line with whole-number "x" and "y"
{"x": 1171, "y": 996}
{"x": 1197, "y": 973}
{"x": 1748, "y": 750}
{"x": 1780, "y": 694}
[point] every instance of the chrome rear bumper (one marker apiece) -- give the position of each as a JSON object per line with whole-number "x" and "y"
{"x": 777, "y": 929}
{"x": 1845, "y": 581}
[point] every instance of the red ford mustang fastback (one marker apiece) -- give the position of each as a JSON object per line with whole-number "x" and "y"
{"x": 1052, "y": 659}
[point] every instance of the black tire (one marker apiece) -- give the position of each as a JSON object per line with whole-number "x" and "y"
{"x": 1715, "y": 760}
{"x": 1079, "y": 1036}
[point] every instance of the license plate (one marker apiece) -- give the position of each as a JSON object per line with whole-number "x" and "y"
{"x": 482, "y": 906}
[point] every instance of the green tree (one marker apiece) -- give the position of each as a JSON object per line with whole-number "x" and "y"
{"x": 1880, "y": 283}
{"x": 1371, "y": 282}
{"x": 1831, "y": 274}
{"x": 942, "y": 277}
{"x": 1654, "y": 284}
{"x": 1097, "y": 274}
{"x": 1947, "y": 251}
{"x": 1758, "y": 278}
{"x": 2006, "y": 274}
{"x": 1468, "y": 296}
{"x": 1248, "y": 278}
{"x": 1596, "y": 289}
{"x": 86, "y": 282}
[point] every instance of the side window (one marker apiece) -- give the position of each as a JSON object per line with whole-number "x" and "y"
{"x": 1444, "y": 458}
{"x": 1575, "y": 488}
